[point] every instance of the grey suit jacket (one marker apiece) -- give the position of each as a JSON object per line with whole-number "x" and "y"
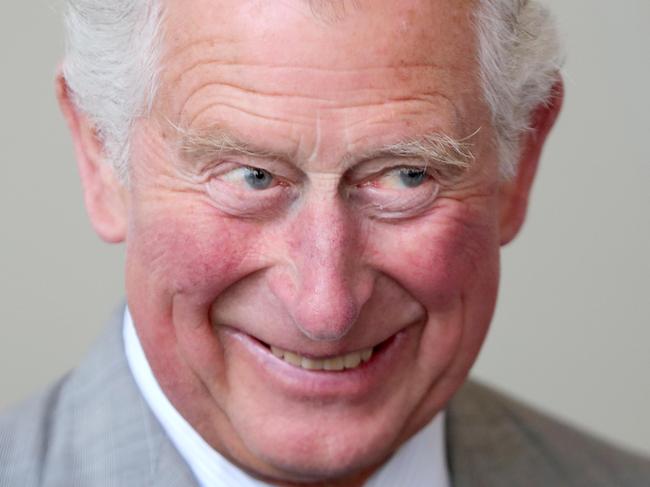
{"x": 93, "y": 428}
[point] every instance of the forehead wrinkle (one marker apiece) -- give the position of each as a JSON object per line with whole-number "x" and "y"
{"x": 228, "y": 94}
{"x": 421, "y": 70}
{"x": 223, "y": 77}
{"x": 440, "y": 105}
{"x": 265, "y": 118}
{"x": 189, "y": 65}
{"x": 364, "y": 81}
{"x": 406, "y": 103}
{"x": 332, "y": 103}
{"x": 231, "y": 47}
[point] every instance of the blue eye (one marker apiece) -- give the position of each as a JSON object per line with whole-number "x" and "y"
{"x": 258, "y": 178}
{"x": 412, "y": 177}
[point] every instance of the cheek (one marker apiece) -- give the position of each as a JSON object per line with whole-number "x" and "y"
{"x": 449, "y": 264}
{"x": 188, "y": 251}
{"x": 439, "y": 259}
{"x": 179, "y": 259}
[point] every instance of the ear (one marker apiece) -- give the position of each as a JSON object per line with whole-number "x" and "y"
{"x": 104, "y": 195}
{"x": 514, "y": 193}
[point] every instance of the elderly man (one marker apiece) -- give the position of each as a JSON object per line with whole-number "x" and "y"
{"x": 313, "y": 196}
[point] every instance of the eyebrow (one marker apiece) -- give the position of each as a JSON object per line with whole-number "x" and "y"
{"x": 204, "y": 146}
{"x": 449, "y": 155}
{"x": 437, "y": 150}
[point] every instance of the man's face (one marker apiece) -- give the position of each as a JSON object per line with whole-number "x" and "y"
{"x": 271, "y": 221}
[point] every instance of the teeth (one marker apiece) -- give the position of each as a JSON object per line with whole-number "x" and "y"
{"x": 350, "y": 360}
{"x": 366, "y": 354}
{"x": 337, "y": 363}
{"x": 293, "y": 359}
{"x": 311, "y": 364}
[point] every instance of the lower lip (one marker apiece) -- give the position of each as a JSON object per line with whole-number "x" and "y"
{"x": 319, "y": 384}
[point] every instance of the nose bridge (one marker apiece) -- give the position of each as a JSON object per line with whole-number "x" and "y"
{"x": 331, "y": 284}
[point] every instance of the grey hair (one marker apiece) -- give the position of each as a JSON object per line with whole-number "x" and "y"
{"x": 112, "y": 59}
{"x": 111, "y": 67}
{"x": 520, "y": 57}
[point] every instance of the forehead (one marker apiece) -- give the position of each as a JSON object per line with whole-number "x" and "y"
{"x": 388, "y": 26}
{"x": 304, "y": 61}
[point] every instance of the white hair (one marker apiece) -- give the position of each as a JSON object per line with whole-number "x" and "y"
{"x": 519, "y": 55}
{"x": 112, "y": 60}
{"x": 111, "y": 67}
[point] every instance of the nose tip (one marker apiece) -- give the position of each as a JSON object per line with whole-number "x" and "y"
{"x": 325, "y": 312}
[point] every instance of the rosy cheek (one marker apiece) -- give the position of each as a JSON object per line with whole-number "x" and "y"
{"x": 191, "y": 252}
{"x": 438, "y": 259}
{"x": 179, "y": 263}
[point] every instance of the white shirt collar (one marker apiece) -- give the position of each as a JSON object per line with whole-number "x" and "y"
{"x": 420, "y": 462}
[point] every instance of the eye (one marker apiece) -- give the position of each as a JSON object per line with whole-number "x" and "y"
{"x": 397, "y": 192}
{"x": 253, "y": 177}
{"x": 412, "y": 177}
{"x": 402, "y": 177}
{"x": 258, "y": 178}
{"x": 249, "y": 191}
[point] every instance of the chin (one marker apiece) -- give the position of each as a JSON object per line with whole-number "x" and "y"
{"x": 304, "y": 452}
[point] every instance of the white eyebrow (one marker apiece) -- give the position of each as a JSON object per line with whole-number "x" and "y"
{"x": 440, "y": 151}
{"x": 450, "y": 155}
{"x": 205, "y": 146}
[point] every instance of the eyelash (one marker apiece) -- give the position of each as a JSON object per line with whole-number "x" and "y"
{"x": 369, "y": 180}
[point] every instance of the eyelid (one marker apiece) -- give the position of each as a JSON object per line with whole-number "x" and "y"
{"x": 362, "y": 177}
{"x": 237, "y": 199}
{"x": 276, "y": 167}
{"x": 408, "y": 205}
{"x": 386, "y": 202}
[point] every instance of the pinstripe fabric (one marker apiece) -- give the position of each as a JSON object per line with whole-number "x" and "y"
{"x": 92, "y": 429}
{"x": 494, "y": 441}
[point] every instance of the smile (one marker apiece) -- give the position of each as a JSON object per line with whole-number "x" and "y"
{"x": 320, "y": 374}
{"x": 348, "y": 361}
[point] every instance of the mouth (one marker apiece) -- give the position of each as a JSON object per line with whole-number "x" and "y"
{"x": 335, "y": 363}
{"x": 343, "y": 362}
{"x": 333, "y": 375}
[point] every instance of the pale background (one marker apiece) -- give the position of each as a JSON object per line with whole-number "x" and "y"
{"x": 572, "y": 327}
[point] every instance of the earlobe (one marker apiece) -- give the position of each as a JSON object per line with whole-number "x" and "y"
{"x": 515, "y": 192}
{"x": 104, "y": 195}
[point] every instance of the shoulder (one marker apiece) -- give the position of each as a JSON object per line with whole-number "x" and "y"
{"x": 46, "y": 440}
{"x": 25, "y": 432}
{"x": 493, "y": 437}
{"x": 89, "y": 427}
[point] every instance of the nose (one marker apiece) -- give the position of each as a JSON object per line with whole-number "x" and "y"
{"x": 324, "y": 282}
